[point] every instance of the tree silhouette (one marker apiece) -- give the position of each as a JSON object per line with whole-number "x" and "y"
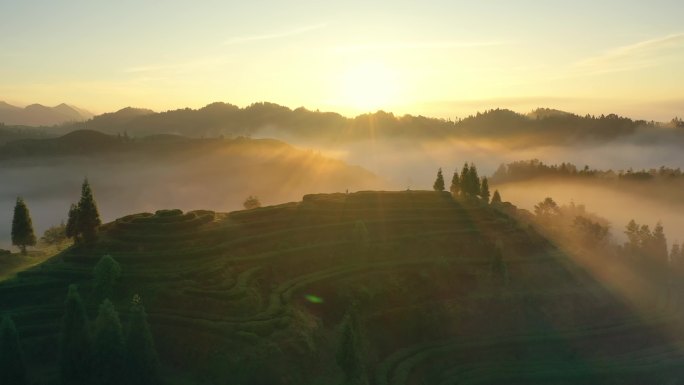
{"x": 12, "y": 365}
{"x": 484, "y": 190}
{"x": 465, "y": 180}
{"x": 75, "y": 341}
{"x": 142, "y": 363}
{"x": 88, "y": 215}
{"x": 108, "y": 349}
{"x": 106, "y": 272}
{"x": 350, "y": 351}
{"x": 496, "y": 198}
{"x": 455, "y": 184}
{"x": 474, "y": 184}
{"x": 22, "y": 227}
{"x": 439, "y": 182}
{"x": 72, "y": 223}
{"x": 251, "y": 202}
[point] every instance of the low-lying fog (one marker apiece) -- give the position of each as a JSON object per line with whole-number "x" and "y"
{"x": 122, "y": 187}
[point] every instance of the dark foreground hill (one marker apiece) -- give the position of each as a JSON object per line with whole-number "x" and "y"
{"x": 445, "y": 293}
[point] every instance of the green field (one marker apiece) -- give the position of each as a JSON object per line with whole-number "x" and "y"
{"x": 447, "y": 292}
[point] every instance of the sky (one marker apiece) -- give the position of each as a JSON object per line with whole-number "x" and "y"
{"x": 437, "y": 58}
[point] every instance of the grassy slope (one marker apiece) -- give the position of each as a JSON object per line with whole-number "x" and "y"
{"x": 227, "y": 297}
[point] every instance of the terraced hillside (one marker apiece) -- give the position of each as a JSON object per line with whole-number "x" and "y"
{"x": 445, "y": 292}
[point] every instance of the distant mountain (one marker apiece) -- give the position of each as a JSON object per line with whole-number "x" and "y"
{"x": 541, "y": 127}
{"x": 39, "y": 115}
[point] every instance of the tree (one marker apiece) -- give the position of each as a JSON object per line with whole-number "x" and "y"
{"x": 439, "y": 182}
{"x": 496, "y": 198}
{"x": 546, "y": 208}
{"x": 12, "y": 364}
{"x": 106, "y": 272}
{"x": 75, "y": 348}
{"x": 465, "y": 180}
{"x": 71, "y": 229}
{"x": 108, "y": 349}
{"x": 455, "y": 184}
{"x": 22, "y": 227}
{"x": 251, "y": 202}
{"x": 143, "y": 362}
{"x": 350, "y": 352}
{"x": 484, "y": 190}
{"x": 659, "y": 245}
{"x": 55, "y": 235}
{"x": 88, "y": 216}
{"x": 474, "y": 180}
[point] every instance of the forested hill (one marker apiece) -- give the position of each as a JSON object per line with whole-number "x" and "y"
{"x": 543, "y": 126}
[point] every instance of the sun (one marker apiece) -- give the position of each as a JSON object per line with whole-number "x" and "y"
{"x": 369, "y": 86}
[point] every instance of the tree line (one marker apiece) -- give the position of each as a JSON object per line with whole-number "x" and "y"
{"x": 468, "y": 185}
{"x": 530, "y": 169}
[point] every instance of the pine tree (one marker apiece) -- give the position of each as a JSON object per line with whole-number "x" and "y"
{"x": 455, "y": 184}
{"x": 12, "y": 364}
{"x": 659, "y": 244}
{"x": 108, "y": 348}
{"x": 474, "y": 180}
{"x": 439, "y": 182}
{"x": 72, "y": 223}
{"x": 106, "y": 272}
{"x": 484, "y": 190}
{"x": 350, "y": 351}
{"x": 143, "y": 362}
{"x": 496, "y": 198}
{"x": 465, "y": 180}
{"x": 75, "y": 341}
{"x": 22, "y": 227}
{"x": 88, "y": 215}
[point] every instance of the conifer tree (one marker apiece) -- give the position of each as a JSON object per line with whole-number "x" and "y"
{"x": 350, "y": 351}
{"x": 496, "y": 198}
{"x": 108, "y": 348}
{"x": 455, "y": 184}
{"x": 659, "y": 244}
{"x": 88, "y": 215}
{"x": 106, "y": 272}
{"x": 12, "y": 365}
{"x": 72, "y": 223}
{"x": 22, "y": 227}
{"x": 465, "y": 180}
{"x": 474, "y": 180}
{"x": 75, "y": 348}
{"x": 484, "y": 190}
{"x": 439, "y": 182}
{"x": 142, "y": 359}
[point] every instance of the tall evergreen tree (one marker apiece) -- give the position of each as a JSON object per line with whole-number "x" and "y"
{"x": 22, "y": 227}
{"x": 143, "y": 362}
{"x": 350, "y": 351}
{"x": 12, "y": 364}
{"x": 75, "y": 348}
{"x": 465, "y": 180}
{"x": 496, "y": 198}
{"x": 659, "y": 247}
{"x": 108, "y": 348}
{"x": 455, "y": 184}
{"x": 72, "y": 223}
{"x": 439, "y": 182}
{"x": 88, "y": 215}
{"x": 106, "y": 272}
{"x": 474, "y": 180}
{"x": 484, "y": 190}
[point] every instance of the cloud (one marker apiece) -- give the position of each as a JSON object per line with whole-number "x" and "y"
{"x": 639, "y": 55}
{"x": 400, "y": 46}
{"x": 200, "y": 64}
{"x": 275, "y": 35}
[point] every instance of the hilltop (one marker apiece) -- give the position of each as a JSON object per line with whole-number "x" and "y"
{"x": 446, "y": 291}
{"x": 39, "y": 115}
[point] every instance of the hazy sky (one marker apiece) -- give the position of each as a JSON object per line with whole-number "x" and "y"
{"x": 444, "y": 58}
